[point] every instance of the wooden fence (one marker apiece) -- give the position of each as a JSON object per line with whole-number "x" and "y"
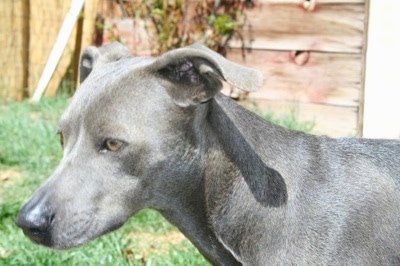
{"x": 311, "y": 53}
{"x": 28, "y": 30}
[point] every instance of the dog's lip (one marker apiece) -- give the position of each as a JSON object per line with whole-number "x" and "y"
{"x": 46, "y": 239}
{"x": 38, "y": 237}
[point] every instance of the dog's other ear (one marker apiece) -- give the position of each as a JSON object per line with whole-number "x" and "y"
{"x": 194, "y": 74}
{"x": 93, "y": 56}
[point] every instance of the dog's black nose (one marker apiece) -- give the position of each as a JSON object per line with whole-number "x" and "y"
{"x": 36, "y": 222}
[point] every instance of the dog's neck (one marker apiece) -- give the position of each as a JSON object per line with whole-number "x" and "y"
{"x": 189, "y": 215}
{"x": 189, "y": 212}
{"x": 192, "y": 222}
{"x": 226, "y": 159}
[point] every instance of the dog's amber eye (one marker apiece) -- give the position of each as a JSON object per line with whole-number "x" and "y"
{"x": 113, "y": 144}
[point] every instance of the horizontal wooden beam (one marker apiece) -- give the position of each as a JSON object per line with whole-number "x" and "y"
{"x": 315, "y": 77}
{"x": 287, "y": 25}
{"x": 318, "y": 2}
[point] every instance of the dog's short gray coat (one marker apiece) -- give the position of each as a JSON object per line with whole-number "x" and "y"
{"x": 157, "y": 133}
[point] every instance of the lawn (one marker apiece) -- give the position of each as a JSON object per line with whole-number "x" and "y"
{"x": 29, "y": 152}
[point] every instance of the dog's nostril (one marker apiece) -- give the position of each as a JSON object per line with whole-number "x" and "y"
{"x": 43, "y": 224}
{"x": 35, "y": 234}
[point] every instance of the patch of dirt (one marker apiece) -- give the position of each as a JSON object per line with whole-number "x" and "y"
{"x": 8, "y": 177}
{"x": 3, "y": 253}
{"x": 34, "y": 115}
{"x": 145, "y": 243}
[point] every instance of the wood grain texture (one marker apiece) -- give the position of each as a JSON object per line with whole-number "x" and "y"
{"x": 319, "y": 2}
{"x": 13, "y": 48}
{"x": 46, "y": 19}
{"x": 332, "y": 26}
{"x": 326, "y": 78}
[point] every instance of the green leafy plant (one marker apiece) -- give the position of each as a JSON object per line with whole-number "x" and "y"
{"x": 177, "y": 23}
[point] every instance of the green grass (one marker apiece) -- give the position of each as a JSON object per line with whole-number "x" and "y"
{"x": 29, "y": 152}
{"x": 290, "y": 119}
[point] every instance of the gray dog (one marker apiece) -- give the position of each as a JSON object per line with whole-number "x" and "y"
{"x": 157, "y": 133}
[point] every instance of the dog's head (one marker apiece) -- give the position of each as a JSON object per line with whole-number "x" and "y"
{"x": 129, "y": 140}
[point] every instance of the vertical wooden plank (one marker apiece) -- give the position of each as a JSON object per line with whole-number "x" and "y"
{"x": 89, "y": 22}
{"x": 46, "y": 19}
{"x": 87, "y": 31}
{"x": 13, "y": 46}
{"x": 382, "y": 86}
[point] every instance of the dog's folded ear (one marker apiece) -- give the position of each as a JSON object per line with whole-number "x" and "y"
{"x": 93, "y": 56}
{"x": 194, "y": 74}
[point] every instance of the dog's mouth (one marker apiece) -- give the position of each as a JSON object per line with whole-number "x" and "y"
{"x": 38, "y": 236}
{"x": 64, "y": 241}
{"x": 51, "y": 230}
{"x": 73, "y": 236}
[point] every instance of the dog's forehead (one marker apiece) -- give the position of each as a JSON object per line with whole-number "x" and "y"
{"x": 117, "y": 76}
{"x": 117, "y": 90}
